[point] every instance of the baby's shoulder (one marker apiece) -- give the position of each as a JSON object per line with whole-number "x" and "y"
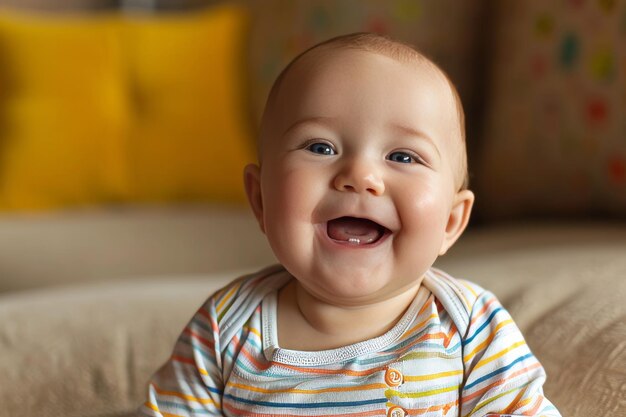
{"x": 457, "y": 296}
{"x": 243, "y": 295}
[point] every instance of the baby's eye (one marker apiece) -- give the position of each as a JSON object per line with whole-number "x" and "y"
{"x": 321, "y": 148}
{"x": 402, "y": 157}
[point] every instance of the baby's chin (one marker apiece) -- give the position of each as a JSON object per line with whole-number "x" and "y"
{"x": 349, "y": 287}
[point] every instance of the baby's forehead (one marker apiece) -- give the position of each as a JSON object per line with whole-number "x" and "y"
{"x": 323, "y": 57}
{"x": 319, "y": 71}
{"x": 330, "y": 66}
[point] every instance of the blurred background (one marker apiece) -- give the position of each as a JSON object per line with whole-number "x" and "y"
{"x": 125, "y": 126}
{"x": 108, "y": 102}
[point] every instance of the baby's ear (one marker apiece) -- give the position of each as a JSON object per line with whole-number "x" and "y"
{"x": 458, "y": 219}
{"x": 252, "y": 183}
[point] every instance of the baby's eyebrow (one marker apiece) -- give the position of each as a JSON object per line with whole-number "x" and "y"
{"x": 411, "y": 131}
{"x": 321, "y": 120}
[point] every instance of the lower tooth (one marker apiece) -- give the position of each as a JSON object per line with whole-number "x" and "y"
{"x": 354, "y": 240}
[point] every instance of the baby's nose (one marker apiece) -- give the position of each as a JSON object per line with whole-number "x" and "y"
{"x": 360, "y": 177}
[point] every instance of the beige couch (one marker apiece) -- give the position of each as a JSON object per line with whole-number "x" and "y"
{"x": 97, "y": 299}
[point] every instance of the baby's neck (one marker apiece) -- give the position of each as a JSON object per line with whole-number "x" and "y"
{"x": 310, "y": 324}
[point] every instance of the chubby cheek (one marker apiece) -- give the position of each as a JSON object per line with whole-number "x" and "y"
{"x": 290, "y": 196}
{"x": 424, "y": 215}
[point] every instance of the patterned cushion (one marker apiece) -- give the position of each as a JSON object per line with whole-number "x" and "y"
{"x": 555, "y": 138}
{"x": 283, "y": 29}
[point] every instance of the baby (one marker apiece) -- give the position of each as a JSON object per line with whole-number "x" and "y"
{"x": 361, "y": 185}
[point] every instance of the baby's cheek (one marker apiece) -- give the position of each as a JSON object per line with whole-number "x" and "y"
{"x": 424, "y": 221}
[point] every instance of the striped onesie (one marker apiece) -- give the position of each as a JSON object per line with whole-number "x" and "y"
{"x": 455, "y": 352}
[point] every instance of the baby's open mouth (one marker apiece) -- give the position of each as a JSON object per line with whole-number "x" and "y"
{"x": 355, "y": 231}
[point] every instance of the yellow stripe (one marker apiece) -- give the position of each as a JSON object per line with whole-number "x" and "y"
{"x": 253, "y": 330}
{"x": 496, "y": 356}
{"x": 466, "y": 285}
{"x": 152, "y": 406}
{"x": 427, "y": 355}
{"x": 227, "y": 297}
{"x": 420, "y": 325}
{"x": 486, "y": 341}
{"x": 389, "y": 393}
{"x": 183, "y": 396}
{"x": 431, "y": 376}
{"x": 155, "y": 408}
{"x": 490, "y": 400}
{"x": 193, "y": 364}
{"x": 303, "y": 391}
{"x": 522, "y": 403}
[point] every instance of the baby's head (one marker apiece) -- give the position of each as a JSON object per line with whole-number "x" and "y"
{"x": 362, "y": 175}
{"x": 402, "y": 53}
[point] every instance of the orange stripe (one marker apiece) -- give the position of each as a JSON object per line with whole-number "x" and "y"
{"x": 312, "y": 391}
{"x": 449, "y": 336}
{"x": 482, "y": 310}
{"x": 533, "y": 411}
{"x": 206, "y": 342}
{"x": 183, "y": 396}
{"x": 445, "y": 407}
{"x": 487, "y": 341}
{"x": 500, "y": 382}
{"x": 426, "y": 305}
{"x": 421, "y": 324}
{"x": 190, "y": 362}
{"x": 204, "y": 313}
{"x": 263, "y": 367}
{"x": 240, "y": 412}
{"x": 515, "y": 404}
{"x": 210, "y": 319}
{"x": 151, "y": 406}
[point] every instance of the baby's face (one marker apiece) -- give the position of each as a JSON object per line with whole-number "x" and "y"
{"x": 357, "y": 179}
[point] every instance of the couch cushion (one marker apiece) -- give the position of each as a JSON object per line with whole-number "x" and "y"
{"x": 80, "y": 246}
{"x": 191, "y": 137}
{"x": 129, "y": 108}
{"x": 63, "y": 111}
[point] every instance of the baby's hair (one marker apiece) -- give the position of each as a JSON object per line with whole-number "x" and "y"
{"x": 397, "y": 50}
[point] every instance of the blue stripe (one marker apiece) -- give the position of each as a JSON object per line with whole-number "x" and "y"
{"x": 498, "y": 371}
{"x": 485, "y": 324}
{"x": 195, "y": 348}
{"x": 306, "y": 405}
{"x": 200, "y": 322}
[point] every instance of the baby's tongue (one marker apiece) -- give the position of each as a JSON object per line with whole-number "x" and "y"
{"x": 346, "y": 228}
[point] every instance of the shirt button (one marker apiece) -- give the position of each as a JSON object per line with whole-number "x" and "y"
{"x": 393, "y": 377}
{"x": 395, "y": 411}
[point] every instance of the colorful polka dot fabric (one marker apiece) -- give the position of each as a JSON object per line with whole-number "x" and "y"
{"x": 284, "y": 28}
{"x": 555, "y": 133}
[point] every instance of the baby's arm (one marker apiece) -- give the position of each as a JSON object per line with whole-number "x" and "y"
{"x": 190, "y": 382}
{"x": 502, "y": 376}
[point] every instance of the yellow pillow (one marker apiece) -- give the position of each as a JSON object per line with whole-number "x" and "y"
{"x": 62, "y": 112}
{"x": 115, "y": 109}
{"x": 190, "y": 138}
